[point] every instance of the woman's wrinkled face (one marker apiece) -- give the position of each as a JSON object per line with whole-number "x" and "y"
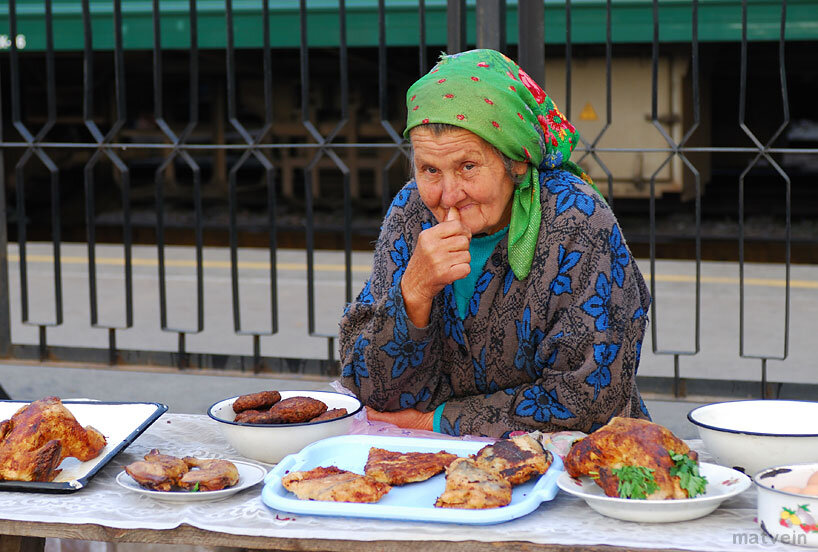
{"x": 459, "y": 169}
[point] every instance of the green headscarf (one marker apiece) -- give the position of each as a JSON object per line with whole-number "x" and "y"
{"x": 485, "y": 92}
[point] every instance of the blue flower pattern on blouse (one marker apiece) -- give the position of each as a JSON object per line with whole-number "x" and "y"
{"x": 452, "y": 325}
{"x": 638, "y": 313}
{"x": 400, "y": 256}
{"x": 568, "y": 195}
{"x": 562, "y": 282}
{"x": 481, "y": 285}
{"x": 404, "y": 351}
{"x": 357, "y": 368}
{"x": 547, "y": 363}
{"x": 407, "y": 400}
{"x": 528, "y": 340}
{"x": 392, "y": 302}
{"x": 604, "y": 355}
{"x": 597, "y": 306}
{"x": 480, "y": 374}
{"x": 365, "y": 296}
{"x": 542, "y": 405}
{"x": 447, "y": 427}
{"x": 619, "y": 256}
{"x": 401, "y": 197}
{"x": 508, "y": 281}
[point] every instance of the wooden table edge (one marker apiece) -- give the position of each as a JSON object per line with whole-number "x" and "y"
{"x": 30, "y": 536}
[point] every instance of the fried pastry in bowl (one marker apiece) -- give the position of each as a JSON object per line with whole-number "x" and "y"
{"x": 292, "y": 422}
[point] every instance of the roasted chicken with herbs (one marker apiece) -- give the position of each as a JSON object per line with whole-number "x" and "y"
{"x": 631, "y": 458}
{"x": 39, "y": 436}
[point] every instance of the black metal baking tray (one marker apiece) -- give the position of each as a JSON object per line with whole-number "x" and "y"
{"x": 120, "y": 422}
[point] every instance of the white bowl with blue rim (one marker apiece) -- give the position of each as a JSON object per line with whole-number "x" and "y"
{"x": 271, "y": 442}
{"x": 753, "y": 435}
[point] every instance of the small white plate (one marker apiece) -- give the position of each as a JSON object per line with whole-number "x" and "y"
{"x": 249, "y": 475}
{"x": 722, "y": 483}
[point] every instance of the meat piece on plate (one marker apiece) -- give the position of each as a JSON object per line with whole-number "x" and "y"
{"x": 39, "y": 436}
{"x": 262, "y": 400}
{"x": 399, "y": 468}
{"x": 159, "y": 472}
{"x": 335, "y": 485}
{"x": 470, "y": 487}
{"x": 330, "y": 415}
{"x": 296, "y": 410}
{"x": 629, "y": 442}
{"x": 516, "y": 459}
{"x": 209, "y": 474}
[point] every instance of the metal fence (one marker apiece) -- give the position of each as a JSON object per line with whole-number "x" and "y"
{"x": 28, "y": 142}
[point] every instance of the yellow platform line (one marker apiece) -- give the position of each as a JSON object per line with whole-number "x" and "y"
{"x": 188, "y": 263}
{"x": 261, "y": 265}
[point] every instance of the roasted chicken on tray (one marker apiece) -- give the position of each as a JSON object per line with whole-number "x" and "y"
{"x": 39, "y": 436}
{"x": 632, "y": 458}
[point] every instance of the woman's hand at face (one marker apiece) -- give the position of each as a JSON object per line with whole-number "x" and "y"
{"x": 408, "y": 418}
{"x": 441, "y": 256}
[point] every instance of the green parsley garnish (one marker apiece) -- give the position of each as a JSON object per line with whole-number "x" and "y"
{"x": 687, "y": 471}
{"x": 635, "y": 481}
{"x": 195, "y": 488}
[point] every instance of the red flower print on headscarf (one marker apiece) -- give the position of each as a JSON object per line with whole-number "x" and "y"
{"x": 532, "y": 86}
{"x": 548, "y": 136}
{"x": 558, "y": 122}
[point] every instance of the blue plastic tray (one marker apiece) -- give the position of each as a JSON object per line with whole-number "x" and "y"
{"x": 412, "y": 502}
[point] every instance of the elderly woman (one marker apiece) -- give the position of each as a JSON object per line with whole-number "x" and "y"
{"x": 503, "y": 296}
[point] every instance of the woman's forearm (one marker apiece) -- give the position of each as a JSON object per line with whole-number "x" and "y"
{"x": 418, "y": 307}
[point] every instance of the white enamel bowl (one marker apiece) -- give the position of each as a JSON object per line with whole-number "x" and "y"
{"x": 752, "y": 435}
{"x": 788, "y": 517}
{"x": 271, "y": 442}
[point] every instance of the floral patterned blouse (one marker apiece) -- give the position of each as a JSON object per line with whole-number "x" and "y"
{"x": 556, "y": 351}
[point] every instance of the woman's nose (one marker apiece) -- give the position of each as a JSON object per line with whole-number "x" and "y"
{"x": 452, "y": 191}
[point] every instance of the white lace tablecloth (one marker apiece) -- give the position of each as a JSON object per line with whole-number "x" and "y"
{"x": 564, "y": 520}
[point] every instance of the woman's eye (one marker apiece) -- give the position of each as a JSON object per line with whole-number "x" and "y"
{"x": 469, "y": 166}
{"x": 431, "y": 170}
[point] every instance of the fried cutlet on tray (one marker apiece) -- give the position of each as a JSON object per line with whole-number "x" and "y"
{"x": 516, "y": 459}
{"x": 470, "y": 487}
{"x": 399, "y": 468}
{"x": 334, "y": 484}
